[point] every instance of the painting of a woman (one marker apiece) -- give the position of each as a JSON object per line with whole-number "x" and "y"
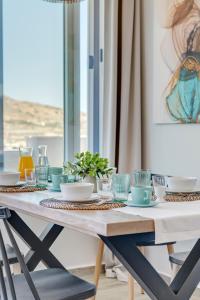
{"x": 182, "y": 94}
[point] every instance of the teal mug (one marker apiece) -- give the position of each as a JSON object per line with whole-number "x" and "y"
{"x": 141, "y": 195}
{"x": 57, "y": 180}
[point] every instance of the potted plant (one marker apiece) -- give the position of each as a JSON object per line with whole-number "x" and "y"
{"x": 89, "y": 166}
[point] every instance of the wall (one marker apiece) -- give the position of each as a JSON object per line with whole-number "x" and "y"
{"x": 168, "y": 149}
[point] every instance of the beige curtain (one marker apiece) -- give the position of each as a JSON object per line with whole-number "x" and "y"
{"x": 121, "y": 138}
{"x": 122, "y": 105}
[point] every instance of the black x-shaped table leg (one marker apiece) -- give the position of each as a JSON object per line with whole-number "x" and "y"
{"x": 39, "y": 246}
{"x": 183, "y": 285}
{"x": 125, "y": 249}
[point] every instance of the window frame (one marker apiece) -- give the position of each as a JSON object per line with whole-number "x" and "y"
{"x": 71, "y": 79}
{"x": 72, "y": 97}
{"x": 94, "y": 77}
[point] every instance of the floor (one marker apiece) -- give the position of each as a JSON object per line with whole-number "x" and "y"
{"x": 111, "y": 289}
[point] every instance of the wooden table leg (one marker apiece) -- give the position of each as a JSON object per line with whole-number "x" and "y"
{"x": 98, "y": 271}
{"x": 131, "y": 290}
{"x": 98, "y": 265}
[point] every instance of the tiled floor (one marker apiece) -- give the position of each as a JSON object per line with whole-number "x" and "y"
{"x": 111, "y": 289}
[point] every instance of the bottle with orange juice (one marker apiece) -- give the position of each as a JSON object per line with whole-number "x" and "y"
{"x": 25, "y": 160}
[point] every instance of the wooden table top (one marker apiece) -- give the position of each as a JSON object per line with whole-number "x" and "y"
{"x": 107, "y": 223}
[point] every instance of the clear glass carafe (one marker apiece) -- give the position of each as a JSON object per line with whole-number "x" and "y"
{"x": 42, "y": 156}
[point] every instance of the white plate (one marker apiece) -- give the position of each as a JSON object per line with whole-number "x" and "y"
{"x": 93, "y": 198}
{"x": 19, "y": 184}
{"x": 151, "y": 204}
{"x": 194, "y": 190}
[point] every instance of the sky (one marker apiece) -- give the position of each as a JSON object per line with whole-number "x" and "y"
{"x": 33, "y": 51}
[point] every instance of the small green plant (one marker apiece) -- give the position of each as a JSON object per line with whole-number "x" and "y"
{"x": 88, "y": 164}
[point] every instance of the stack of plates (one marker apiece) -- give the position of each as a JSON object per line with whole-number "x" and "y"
{"x": 17, "y": 185}
{"x": 179, "y": 191}
{"x": 92, "y": 199}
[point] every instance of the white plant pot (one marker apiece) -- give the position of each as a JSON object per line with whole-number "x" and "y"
{"x": 93, "y": 180}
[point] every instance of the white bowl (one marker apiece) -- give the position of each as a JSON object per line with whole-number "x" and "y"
{"x": 76, "y": 191}
{"x": 9, "y": 178}
{"x": 181, "y": 184}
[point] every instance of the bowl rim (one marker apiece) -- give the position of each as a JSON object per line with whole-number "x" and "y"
{"x": 77, "y": 184}
{"x": 182, "y": 178}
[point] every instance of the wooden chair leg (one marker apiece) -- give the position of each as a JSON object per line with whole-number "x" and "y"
{"x": 98, "y": 265}
{"x": 131, "y": 290}
{"x": 170, "y": 248}
{"x": 16, "y": 268}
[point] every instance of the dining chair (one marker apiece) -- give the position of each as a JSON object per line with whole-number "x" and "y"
{"x": 12, "y": 259}
{"x": 51, "y": 284}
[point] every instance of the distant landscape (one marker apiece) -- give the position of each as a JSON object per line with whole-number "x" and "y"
{"x": 24, "y": 118}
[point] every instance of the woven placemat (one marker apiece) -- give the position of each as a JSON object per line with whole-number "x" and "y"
{"x": 59, "y": 204}
{"x": 182, "y": 197}
{"x": 21, "y": 189}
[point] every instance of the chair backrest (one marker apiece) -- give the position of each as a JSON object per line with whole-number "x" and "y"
{"x": 4, "y": 215}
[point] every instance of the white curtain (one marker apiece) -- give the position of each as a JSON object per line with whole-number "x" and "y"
{"x": 122, "y": 105}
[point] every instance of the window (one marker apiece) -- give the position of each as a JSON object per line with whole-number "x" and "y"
{"x": 50, "y": 75}
{"x": 33, "y": 70}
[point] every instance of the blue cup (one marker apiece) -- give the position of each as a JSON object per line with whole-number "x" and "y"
{"x": 55, "y": 171}
{"x": 71, "y": 178}
{"x": 141, "y": 195}
{"x": 142, "y": 178}
{"x": 57, "y": 180}
{"x": 120, "y": 187}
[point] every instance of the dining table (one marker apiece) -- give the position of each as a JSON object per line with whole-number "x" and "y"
{"x": 121, "y": 230}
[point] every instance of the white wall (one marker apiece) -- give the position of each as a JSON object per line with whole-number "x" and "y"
{"x": 171, "y": 148}
{"x": 168, "y": 149}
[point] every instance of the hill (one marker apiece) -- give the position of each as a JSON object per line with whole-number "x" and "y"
{"x": 24, "y": 118}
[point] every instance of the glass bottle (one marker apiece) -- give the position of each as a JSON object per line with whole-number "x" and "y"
{"x": 25, "y": 160}
{"x": 42, "y": 156}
